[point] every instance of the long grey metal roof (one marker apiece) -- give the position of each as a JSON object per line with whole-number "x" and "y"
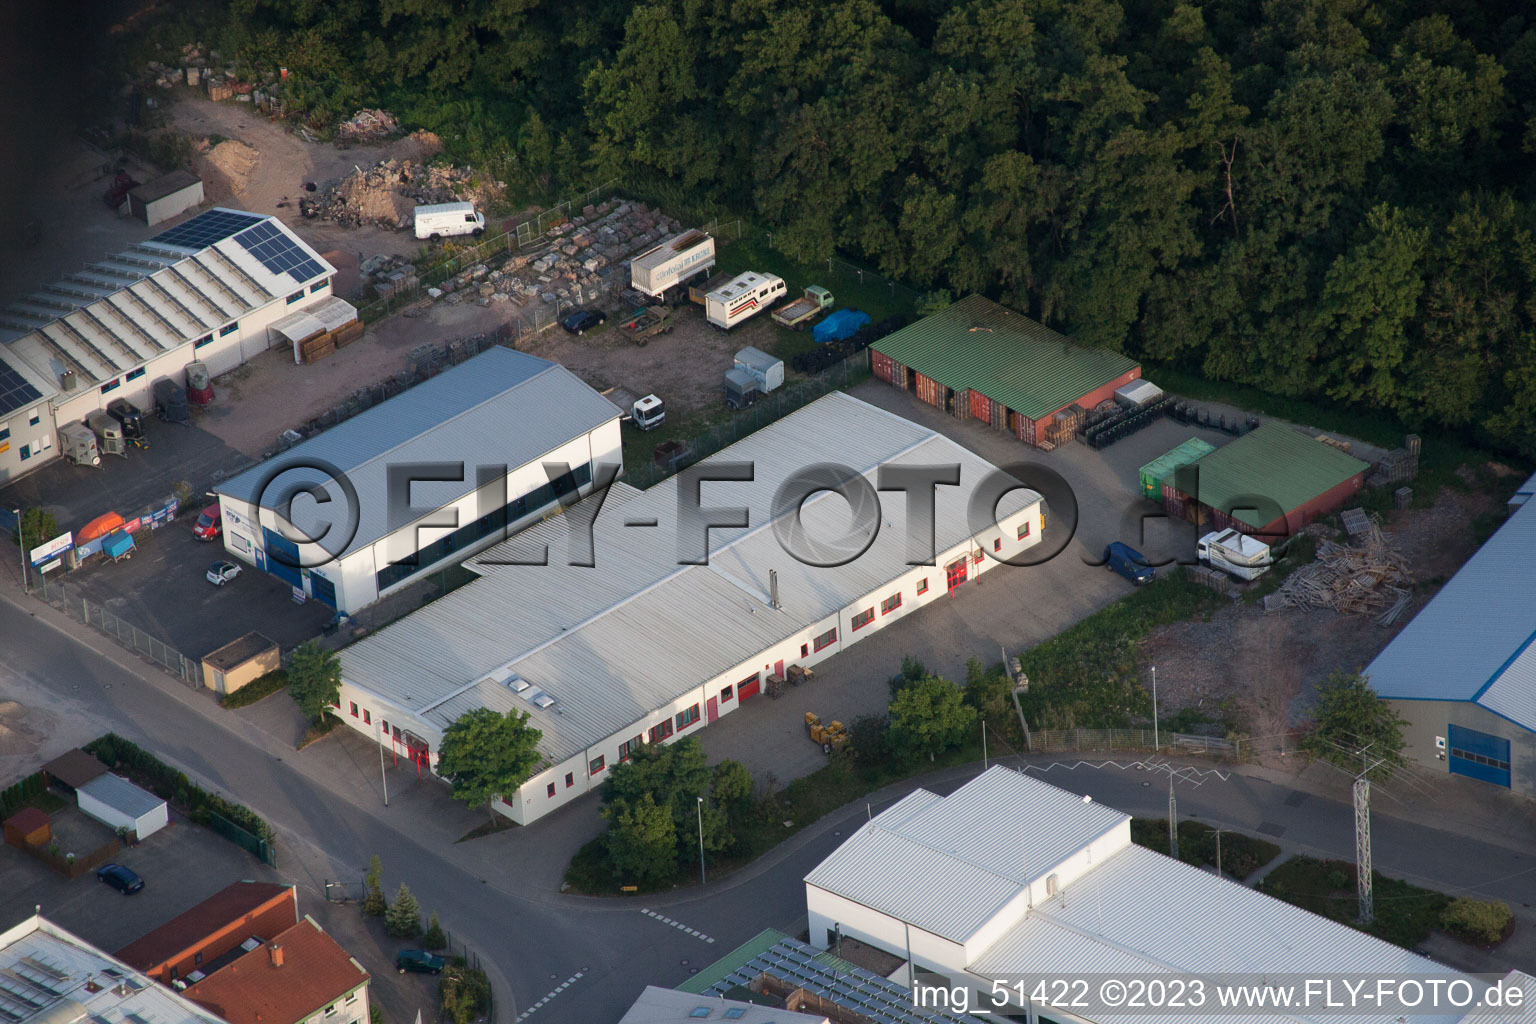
{"x": 1476, "y": 639}
{"x": 950, "y": 865}
{"x": 637, "y": 629}
{"x": 118, "y": 793}
{"x": 501, "y": 407}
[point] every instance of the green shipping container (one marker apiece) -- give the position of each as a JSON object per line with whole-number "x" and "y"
{"x": 1161, "y": 468}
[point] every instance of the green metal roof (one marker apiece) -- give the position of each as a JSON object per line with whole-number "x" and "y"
{"x": 1004, "y": 355}
{"x": 744, "y": 953}
{"x": 1274, "y": 462}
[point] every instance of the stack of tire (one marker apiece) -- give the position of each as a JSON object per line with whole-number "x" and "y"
{"x": 832, "y": 353}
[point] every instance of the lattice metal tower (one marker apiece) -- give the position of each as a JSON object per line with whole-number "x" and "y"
{"x": 1363, "y": 873}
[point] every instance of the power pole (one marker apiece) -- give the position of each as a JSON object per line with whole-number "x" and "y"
{"x": 1015, "y": 673}
{"x": 1363, "y": 874}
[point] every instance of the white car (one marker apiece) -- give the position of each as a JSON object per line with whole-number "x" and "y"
{"x": 220, "y": 573}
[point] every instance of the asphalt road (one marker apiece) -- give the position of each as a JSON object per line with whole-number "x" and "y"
{"x": 498, "y": 897}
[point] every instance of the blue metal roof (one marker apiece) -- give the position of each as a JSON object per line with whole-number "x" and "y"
{"x": 1476, "y": 640}
{"x": 502, "y": 407}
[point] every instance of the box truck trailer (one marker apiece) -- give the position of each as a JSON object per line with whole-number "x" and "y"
{"x": 742, "y": 298}
{"x": 663, "y": 271}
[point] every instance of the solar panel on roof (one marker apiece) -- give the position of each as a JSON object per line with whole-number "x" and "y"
{"x": 207, "y": 228}
{"x": 278, "y": 252}
{"x": 15, "y": 391}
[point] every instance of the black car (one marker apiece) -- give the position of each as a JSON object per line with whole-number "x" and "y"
{"x": 124, "y": 880}
{"x": 419, "y": 961}
{"x": 583, "y": 320}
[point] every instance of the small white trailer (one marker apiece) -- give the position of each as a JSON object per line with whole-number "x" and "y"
{"x": 767, "y": 370}
{"x": 664, "y": 267}
{"x": 442, "y": 220}
{"x": 1235, "y": 553}
{"x": 742, "y": 298}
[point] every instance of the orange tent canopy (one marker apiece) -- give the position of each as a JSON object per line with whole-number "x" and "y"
{"x": 99, "y": 527}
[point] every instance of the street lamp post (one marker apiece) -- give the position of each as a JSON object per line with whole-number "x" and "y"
{"x": 702, "y": 879}
{"x": 382, "y": 777}
{"x": 1156, "y": 740}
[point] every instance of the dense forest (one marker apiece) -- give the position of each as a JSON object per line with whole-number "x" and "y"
{"x": 1323, "y": 198}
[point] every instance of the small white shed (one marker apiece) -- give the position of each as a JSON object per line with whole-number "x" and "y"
{"x": 165, "y": 197}
{"x": 118, "y": 803}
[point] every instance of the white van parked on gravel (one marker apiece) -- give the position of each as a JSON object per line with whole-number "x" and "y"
{"x": 441, "y": 220}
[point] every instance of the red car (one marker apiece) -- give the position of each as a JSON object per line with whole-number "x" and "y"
{"x": 208, "y": 525}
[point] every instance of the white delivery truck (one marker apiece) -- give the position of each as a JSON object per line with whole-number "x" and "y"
{"x": 742, "y": 298}
{"x": 1235, "y": 553}
{"x": 663, "y": 271}
{"x": 443, "y": 220}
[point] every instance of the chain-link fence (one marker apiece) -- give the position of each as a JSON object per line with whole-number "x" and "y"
{"x": 188, "y": 670}
{"x": 739, "y": 424}
{"x": 1242, "y": 748}
{"x": 532, "y": 230}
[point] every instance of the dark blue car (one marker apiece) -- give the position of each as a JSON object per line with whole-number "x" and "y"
{"x": 582, "y": 320}
{"x": 1128, "y": 562}
{"x": 124, "y": 880}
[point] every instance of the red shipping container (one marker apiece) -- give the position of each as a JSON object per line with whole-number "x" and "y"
{"x": 981, "y": 406}
{"x": 883, "y": 366}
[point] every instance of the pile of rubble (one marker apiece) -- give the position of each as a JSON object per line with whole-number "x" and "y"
{"x": 581, "y": 257}
{"x": 367, "y": 126}
{"x": 386, "y": 194}
{"x": 1366, "y": 577}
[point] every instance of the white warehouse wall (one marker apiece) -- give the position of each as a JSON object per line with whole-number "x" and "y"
{"x": 355, "y": 576}
{"x": 857, "y": 921}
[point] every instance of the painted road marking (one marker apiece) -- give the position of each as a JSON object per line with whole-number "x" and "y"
{"x": 567, "y": 983}
{"x": 676, "y": 924}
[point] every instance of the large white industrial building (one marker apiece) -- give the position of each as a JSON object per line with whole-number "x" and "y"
{"x": 206, "y": 290}
{"x": 640, "y": 648}
{"x": 529, "y": 437}
{"x": 1010, "y": 878}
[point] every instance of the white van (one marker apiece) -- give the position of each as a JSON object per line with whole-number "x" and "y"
{"x": 441, "y": 220}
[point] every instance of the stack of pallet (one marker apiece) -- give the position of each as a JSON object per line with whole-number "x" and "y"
{"x": 1368, "y": 578}
{"x": 347, "y": 333}
{"x": 316, "y": 347}
{"x": 1065, "y": 424}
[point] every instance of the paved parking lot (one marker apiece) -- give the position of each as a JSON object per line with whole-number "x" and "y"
{"x": 181, "y": 865}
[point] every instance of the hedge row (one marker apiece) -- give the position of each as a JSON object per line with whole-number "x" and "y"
{"x": 169, "y": 784}
{"x": 22, "y": 793}
{"x": 256, "y": 689}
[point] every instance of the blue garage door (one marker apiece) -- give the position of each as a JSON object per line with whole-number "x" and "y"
{"x": 1478, "y": 755}
{"x": 286, "y": 552}
{"x": 322, "y": 588}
